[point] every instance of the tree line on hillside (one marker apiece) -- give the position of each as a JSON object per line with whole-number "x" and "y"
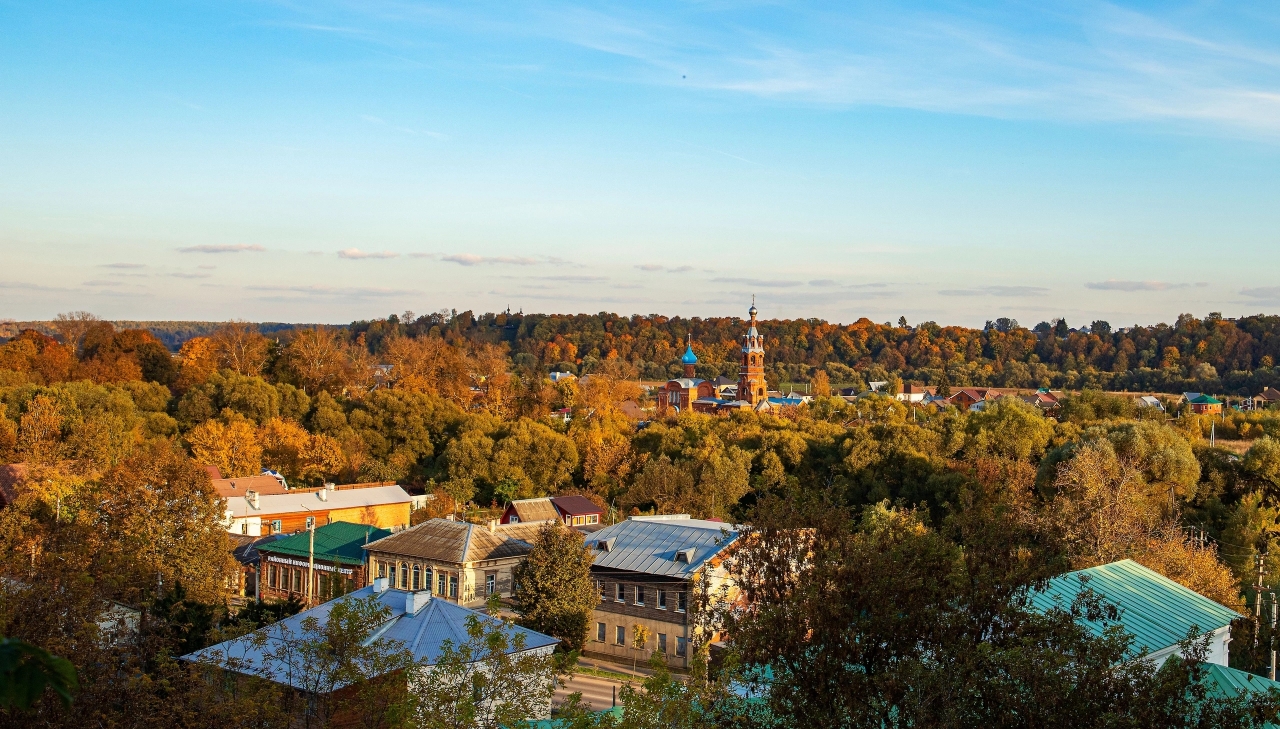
{"x": 1210, "y": 354}
{"x": 116, "y": 506}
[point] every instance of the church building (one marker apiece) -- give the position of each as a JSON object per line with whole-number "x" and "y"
{"x": 680, "y": 394}
{"x": 752, "y": 391}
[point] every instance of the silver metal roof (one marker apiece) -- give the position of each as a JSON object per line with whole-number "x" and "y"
{"x": 422, "y": 633}
{"x": 651, "y": 545}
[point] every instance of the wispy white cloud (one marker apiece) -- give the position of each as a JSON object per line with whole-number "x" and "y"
{"x": 223, "y": 248}
{"x": 655, "y": 267}
{"x": 123, "y": 265}
{"x": 1096, "y": 62}
{"x": 997, "y": 291}
{"x": 1112, "y": 284}
{"x": 472, "y": 260}
{"x": 761, "y": 282}
{"x": 98, "y": 282}
{"x": 357, "y": 254}
{"x": 355, "y": 292}
{"x": 574, "y": 279}
{"x": 1262, "y": 293}
{"x": 184, "y": 274}
{"x": 407, "y": 130}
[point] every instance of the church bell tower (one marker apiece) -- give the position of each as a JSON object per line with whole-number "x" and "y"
{"x": 751, "y": 384}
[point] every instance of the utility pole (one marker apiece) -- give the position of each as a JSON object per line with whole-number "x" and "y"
{"x": 311, "y": 557}
{"x": 1257, "y": 596}
{"x": 1272, "y": 675}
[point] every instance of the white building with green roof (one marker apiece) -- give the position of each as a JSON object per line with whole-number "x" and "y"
{"x": 1158, "y": 612}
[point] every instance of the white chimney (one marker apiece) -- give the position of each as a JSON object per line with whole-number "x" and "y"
{"x": 493, "y": 525}
{"x": 381, "y": 584}
{"x": 252, "y": 497}
{"x": 415, "y": 601}
{"x": 330, "y": 486}
{"x": 323, "y": 494}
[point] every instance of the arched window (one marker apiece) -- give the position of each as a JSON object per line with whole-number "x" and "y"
{"x": 404, "y": 575}
{"x": 417, "y": 577}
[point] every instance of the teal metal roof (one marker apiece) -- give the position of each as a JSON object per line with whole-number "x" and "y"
{"x": 1206, "y": 400}
{"x": 1155, "y": 610}
{"x": 340, "y": 542}
{"x": 1228, "y": 683}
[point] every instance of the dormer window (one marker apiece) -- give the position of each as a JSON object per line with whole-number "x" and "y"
{"x": 685, "y": 555}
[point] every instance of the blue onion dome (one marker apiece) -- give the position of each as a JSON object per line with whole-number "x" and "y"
{"x": 689, "y": 357}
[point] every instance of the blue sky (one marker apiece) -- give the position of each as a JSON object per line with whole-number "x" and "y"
{"x": 333, "y": 161}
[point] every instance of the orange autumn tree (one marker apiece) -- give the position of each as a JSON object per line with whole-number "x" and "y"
{"x": 199, "y": 357}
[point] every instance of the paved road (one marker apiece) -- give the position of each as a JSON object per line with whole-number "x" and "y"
{"x": 598, "y": 692}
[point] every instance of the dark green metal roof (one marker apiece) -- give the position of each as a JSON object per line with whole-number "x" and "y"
{"x": 1155, "y": 610}
{"x": 340, "y": 542}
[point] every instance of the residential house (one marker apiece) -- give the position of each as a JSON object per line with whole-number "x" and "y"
{"x": 1205, "y": 405}
{"x": 577, "y": 511}
{"x": 257, "y": 514}
{"x": 571, "y": 511}
{"x": 646, "y": 570}
{"x": 912, "y": 393}
{"x": 244, "y": 549}
{"x": 1042, "y": 399}
{"x": 455, "y": 560}
{"x": 966, "y": 397}
{"x": 1156, "y": 611}
{"x": 561, "y": 376}
{"x": 1150, "y": 401}
{"x": 1268, "y": 397}
{"x": 415, "y": 622}
{"x": 316, "y": 571}
{"x": 524, "y": 511}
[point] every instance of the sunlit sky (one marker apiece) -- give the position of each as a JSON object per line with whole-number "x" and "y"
{"x": 325, "y": 162}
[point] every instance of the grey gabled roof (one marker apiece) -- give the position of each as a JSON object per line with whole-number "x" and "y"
{"x": 422, "y": 633}
{"x": 651, "y": 545}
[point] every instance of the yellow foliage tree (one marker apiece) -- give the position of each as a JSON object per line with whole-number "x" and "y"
{"x": 1103, "y": 511}
{"x": 40, "y": 431}
{"x": 288, "y": 448}
{"x": 232, "y": 447}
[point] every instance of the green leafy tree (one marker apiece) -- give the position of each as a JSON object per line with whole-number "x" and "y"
{"x": 340, "y": 668}
{"x": 878, "y": 620}
{"x": 26, "y": 671}
{"x": 554, "y": 593}
{"x": 487, "y": 681}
